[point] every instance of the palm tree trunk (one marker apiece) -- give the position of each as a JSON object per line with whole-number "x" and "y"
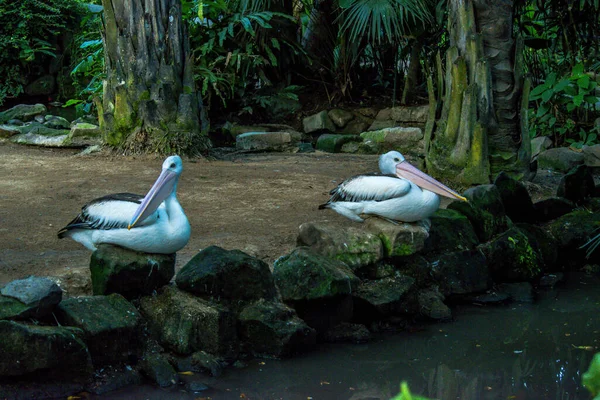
{"x": 150, "y": 102}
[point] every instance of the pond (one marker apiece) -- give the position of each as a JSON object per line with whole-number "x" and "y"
{"x": 517, "y": 351}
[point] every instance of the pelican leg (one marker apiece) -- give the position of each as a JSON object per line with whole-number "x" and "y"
{"x": 425, "y": 223}
{"x": 391, "y": 221}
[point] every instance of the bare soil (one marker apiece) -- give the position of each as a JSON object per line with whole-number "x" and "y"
{"x": 251, "y": 202}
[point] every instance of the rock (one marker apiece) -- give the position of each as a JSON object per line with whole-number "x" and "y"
{"x": 483, "y": 222}
{"x": 204, "y": 362}
{"x": 54, "y": 352}
{"x": 520, "y": 292}
{"x": 23, "y": 112}
{"x": 39, "y": 119}
{"x": 354, "y": 246}
{"x": 129, "y": 273}
{"x": 39, "y": 296}
{"x": 489, "y": 297}
{"x": 431, "y": 304}
{"x": 382, "y": 124}
{"x": 42, "y": 86}
{"x": 402, "y": 239}
{"x": 450, "y": 231}
{"x": 89, "y": 150}
{"x": 487, "y": 198}
{"x": 333, "y": 143}
{"x": 15, "y": 122}
{"x": 111, "y": 378}
{"x": 7, "y": 131}
{"x": 347, "y": 333}
{"x": 88, "y": 119}
{"x": 230, "y": 276}
{"x": 577, "y": 184}
{"x": 511, "y": 257}
{"x": 265, "y": 141}
{"x": 405, "y": 140}
{"x": 13, "y": 309}
{"x": 461, "y": 272}
{"x": 355, "y": 127}
{"x": 56, "y": 122}
{"x": 197, "y": 387}
{"x": 405, "y": 114}
{"x": 318, "y": 122}
{"x": 539, "y": 145}
{"x": 550, "y": 280}
{"x": 552, "y": 208}
{"x": 159, "y": 370}
{"x": 305, "y": 148}
{"x": 560, "y": 159}
{"x": 381, "y": 298}
{"x": 83, "y": 134}
{"x": 515, "y": 198}
{"x": 271, "y": 329}
{"x": 591, "y": 154}
{"x": 39, "y": 140}
{"x": 544, "y": 242}
{"x": 572, "y": 231}
{"x": 185, "y": 323}
{"x": 340, "y": 117}
{"x": 350, "y": 147}
{"x": 306, "y": 275}
{"x": 112, "y": 326}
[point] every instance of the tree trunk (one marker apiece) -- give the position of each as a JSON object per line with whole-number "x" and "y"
{"x": 482, "y": 129}
{"x": 150, "y": 103}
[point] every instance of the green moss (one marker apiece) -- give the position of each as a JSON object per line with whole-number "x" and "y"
{"x": 375, "y": 136}
{"x": 528, "y": 263}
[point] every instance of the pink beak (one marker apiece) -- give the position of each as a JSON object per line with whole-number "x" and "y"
{"x": 161, "y": 189}
{"x": 408, "y": 171}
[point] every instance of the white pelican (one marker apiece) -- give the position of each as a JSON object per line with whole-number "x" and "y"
{"x": 152, "y": 224}
{"x": 402, "y": 193}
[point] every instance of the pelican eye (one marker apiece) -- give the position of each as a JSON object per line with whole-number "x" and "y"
{"x": 172, "y": 165}
{"x": 397, "y": 159}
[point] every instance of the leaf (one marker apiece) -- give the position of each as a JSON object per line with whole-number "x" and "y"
{"x": 89, "y": 43}
{"x": 577, "y": 71}
{"x": 591, "y": 139}
{"x": 550, "y": 79}
{"x": 543, "y": 109}
{"x": 571, "y": 107}
{"x": 275, "y": 43}
{"x": 551, "y": 122}
{"x": 561, "y": 85}
{"x": 583, "y": 82}
{"x": 547, "y": 95}
{"x": 537, "y": 91}
{"x": 591, "y": 99}
{"x": 577, "y": 100}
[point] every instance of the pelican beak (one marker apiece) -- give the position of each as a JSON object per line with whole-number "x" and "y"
{"x": 408, "y": 171}
{"x": 161, "y": 189}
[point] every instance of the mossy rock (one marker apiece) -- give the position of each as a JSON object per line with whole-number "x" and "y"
{"x": 515, "y": 198}
{"x": 401, "y": 239}
{"x": 157, "y": 367}
{"x": 23, "y": 112}
{"x": 572, "y": 231}
{"x": 377, "y": 299}
{"x": 577, "y": 185}
{"x": 552, "y": 208}
{"x": 332, "y": 143}
{"x": 543, "y": 241}
{"x": 461, "y": 272}
{"x": 450, "y": 231}
{"x": 483, "y": 222}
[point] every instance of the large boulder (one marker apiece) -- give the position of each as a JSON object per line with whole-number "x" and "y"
{"x": 406, "y": 140}
{"x": 552, "y": 208}
{"x": 56, "y": 122}
{"x": 340, "y": 117}
{"x": 334, "y": 143}
{"x": 35, "y": 133}
{"x": 515, "y": 198}
{"x": 266, "y": 141}
{"x": 591, "y": 155}
{"x": 488, "y": 199}
{"x": 461, "y": 272}
{"x": 377, "y": 299}
{"x": 539, "y": 145}
{"x": 34, "y": 297}
{"x": 132, "y": 274}
{"x": 185, "y": 323}
{"x": 272, "y": 329}
{"x": 23, "y": 112}
{"x": 577, "y": 184}
{"x": 157, "y": 367}
{"x": 401, "y": 239}
{"x": 450, "y": 231}
{"x": 228, "y": 275}
{"x": 55, "y": 352}
{"x": 484, "y": 223}
{"x": 561, "y": 159}
{"x": 111, "y": 325}
{"x": 318, "y": 122}
{"x": 7, "y": 131}
{"x": 84, "y": 134}
{"x": 571, "y": 231}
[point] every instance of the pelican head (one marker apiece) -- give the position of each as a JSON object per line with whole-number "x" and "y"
{"x": 165, "y": 186}
{"x": 394, "y": 163}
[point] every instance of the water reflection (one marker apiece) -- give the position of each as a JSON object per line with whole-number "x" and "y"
{"x": 521, "y": 351}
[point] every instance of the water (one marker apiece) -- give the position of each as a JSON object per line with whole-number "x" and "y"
{"x": 520, "y": 351}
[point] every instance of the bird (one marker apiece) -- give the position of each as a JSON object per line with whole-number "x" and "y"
{"x": 155, "y": 223}
{"x": 400, "y": 193}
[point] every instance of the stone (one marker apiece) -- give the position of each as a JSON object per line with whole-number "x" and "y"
{"x": 552, "y": 208}
{"x": 306, "y": 275}
{"x": 156, "y": 367}
{"x": 515, "y": 199}
{"x": 461, "y": 272}
{"x": 39, "y": 295}
{"x": 15, "y": 122}
{"x": 7, "y": 131}
{"x": 112, "y": 378}
{"x": 431, "y": 304}
{"x": 84, "y": 134}
{"x": 487, "y": 198}
{"x": 539, "y": 145}
{"x": 74, "y": 282}
{"x": 23, "y": 112}
{"x": 544, "y": 242}
{"x": 353, "y": 246}
{"x": 272, "y": 329}
{"x": 377, "y": 299}
{"x": 333, "y": 143}
{"x": 88, "y": 118}
{"x": 355, "y": 127}
{"x": 318, "y": 122}
{"x": 591, "y": 154}
{"x": 346, "y": 332}
{"x": 11, "y": 308}
{"x": 42, "y": 86}
{"x": 512, "y": 257}
{"x": 56, "y": 122}
{"x": 450, "y": 231}
{"x": 265, "y": 141}
{"x": 520, "y": 292}
{"x": 401, "y": 239}
{"x": 571, "y": 231}
{"x": 35, "y": 139}
{"x": 382, "y": 124}
{"x": 550, "y": 280}
{"x": 577, "y": 184}
{"x": 483, "y": 222}
{"x": 185, "y": 323}
{"x": 305, "y": 148}
{"x": 368, "y": 112}
{"x": 404, "y": 140}
{"x": 405, "y": 114}
{"x": 489, "y": 297}
{"x": 561, "y": 159}
{"x": 132, "y": 274}
{"x": 55, "y": 352}
{"x": 228, "y": 275}
{"x": 340, "y": 117}
{"x": 112, "y": 326}
{"x": 38, "y": 128}
{"x": 204, "y": 362}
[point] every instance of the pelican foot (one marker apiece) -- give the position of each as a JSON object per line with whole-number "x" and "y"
{"x": 389, "y": 220}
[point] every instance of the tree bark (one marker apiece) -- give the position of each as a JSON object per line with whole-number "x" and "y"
{"x": 150, "y": 103}
{"x": 482, "y": 129}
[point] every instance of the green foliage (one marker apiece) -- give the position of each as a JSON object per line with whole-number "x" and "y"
{"x": 29, "y": 30}
{"x": 406, "y": 395}
{"x": 591, "y": 378}
{"x": 564, "y": 105}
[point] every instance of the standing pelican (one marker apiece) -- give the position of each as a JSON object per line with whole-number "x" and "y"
{"x": 152, "y": 224}
{"x": 402, "y": 193}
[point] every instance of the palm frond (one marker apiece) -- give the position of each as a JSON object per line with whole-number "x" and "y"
{"x": 591, "y": 244}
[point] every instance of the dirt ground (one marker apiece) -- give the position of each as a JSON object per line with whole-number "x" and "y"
{"x": 251, "y": 202}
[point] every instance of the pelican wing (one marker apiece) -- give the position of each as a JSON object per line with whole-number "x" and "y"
{"x": 109, "y": 212}
{"x": 370, "y": 187}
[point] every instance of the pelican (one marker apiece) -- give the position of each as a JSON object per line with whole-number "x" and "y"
{"x": 401, "y": 193}
{"x": 155, "y": 223}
